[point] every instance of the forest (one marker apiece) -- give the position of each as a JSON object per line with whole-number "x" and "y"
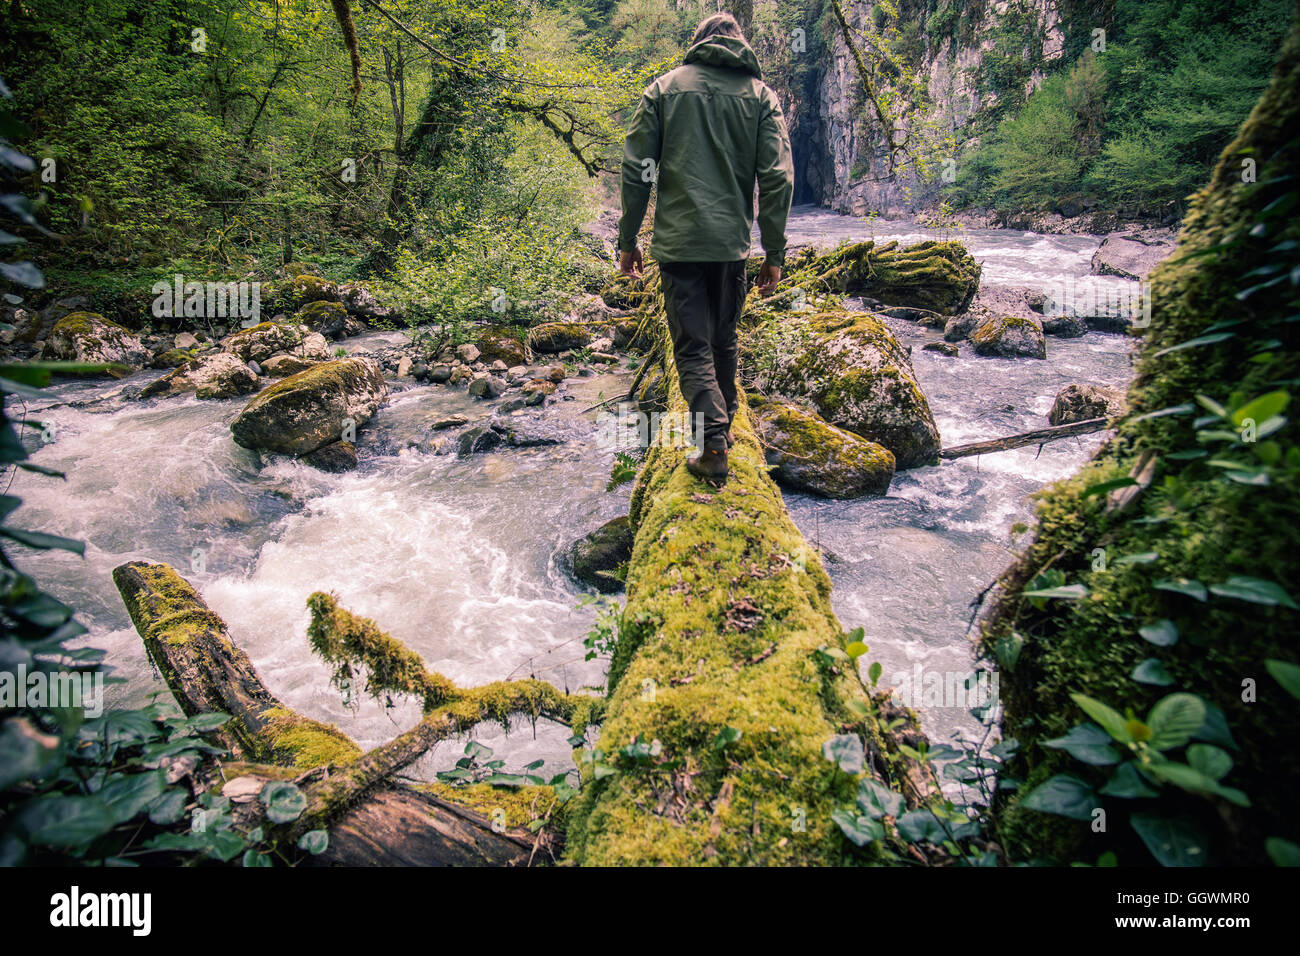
{"x": 346, "y": 521}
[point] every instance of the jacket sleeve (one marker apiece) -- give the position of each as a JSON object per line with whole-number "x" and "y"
{"x": 775, "y": 172}
{"x": 641, "y": 153}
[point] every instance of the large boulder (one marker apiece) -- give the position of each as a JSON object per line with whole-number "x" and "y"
{"x": 807, "y": 454}
{"x": 1010, "y": 336}
{"x": 937, "y": 276}
{"x": 1078, "y": 403}
{"x": 495, "y": 344}
{"x": 330, "y": 319}
{"x": 595, "y": 559}
{"x": 858, "y": 377}
{"x": 89, "y": 337}
{"x": 552, "y": 337}
{"x": 262, "y": 341}
{"x": 283, "y": 364}
{"x": 1130, "y": 256}
{"x": 215, "y": 375}
{"x": 312, "y": 408}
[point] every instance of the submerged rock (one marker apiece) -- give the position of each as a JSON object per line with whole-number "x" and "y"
{"x": 337, "y": 456}
{"x": 805, "y": 453}
{"x": 595, "y": 558}
{"x": 1078, "y": 403}
{"x": 89, "y": 337}
{"x": 1010, "y": 336}
{"x": 312, "y": 408}
{"x": 216, "y": 375}
{"x": 860, "y": 378}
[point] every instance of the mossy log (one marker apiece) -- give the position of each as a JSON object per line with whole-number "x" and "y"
{"x": 1199, "y": 528}
{"x": 728, "y": 678}
{"x": 372, "y": 819}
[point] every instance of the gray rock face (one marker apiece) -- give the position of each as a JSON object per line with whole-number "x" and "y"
{"x": 215, "y": 375}
{"x": 1065, "y": 326}
{"x": 593, "y": 558}
{"x": 467, "y": 352}
{"x": 1129, "y": 256}
{"x": 312, "y": 408}
{"x": 89, "y": 337}
{"x": 1078, "y": 403}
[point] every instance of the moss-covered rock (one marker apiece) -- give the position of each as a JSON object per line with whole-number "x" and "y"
{"x": 940, "y": 277}
{"x": 323, "y": 316}
{"x": 552, "y": 337}
{"x": 860, "y": 378}
{"x": 596, "y": 559}
{"x": 1078, "y": 403}
{"x": 807, "y": 454}
{"x": 497, "y": 344}
{"x": 214, "y": 375}
{"x": 282, "y": 365}
{"x": 88, "y": 337}
{"x": 264, "y": 340}
{"x": 1010, "y": 336}
{"x": 312, "y": 408}
{"x": 171, "y": 358}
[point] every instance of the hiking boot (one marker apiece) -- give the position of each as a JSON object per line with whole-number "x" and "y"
{"x": 709, "y": 465}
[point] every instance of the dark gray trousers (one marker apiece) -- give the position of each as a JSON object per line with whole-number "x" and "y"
{"x": 703, "y": 301}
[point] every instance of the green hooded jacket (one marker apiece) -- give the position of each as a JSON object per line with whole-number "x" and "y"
{"x": 708, "y": 130}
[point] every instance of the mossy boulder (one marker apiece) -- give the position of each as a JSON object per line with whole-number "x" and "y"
{"x": 497, "y": 344}
{"x": 295, "y": 269}
{"x": 552, "y": 337}
{"x": 1010, "y": 336}
{"x": 940, "y": 277}
{"x": 306, "y": 288}
{"x": 312, "y": 408}
{"x": 282, "y": 365}
{"x": 806, "y": 454}
{"x": 596, "y": 559}
{"x": 171, "y": 358}
{"x": 215, "y": 375}
{"x": 858, "y": 377}
{"x": 328, "y": 318}
{"x": 89, "y": 337}
{"x": 262, "y": 341}
{"x": 1078, "y": 403}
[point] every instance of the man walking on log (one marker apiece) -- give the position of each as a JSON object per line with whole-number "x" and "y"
{"x": 706, "y": 132}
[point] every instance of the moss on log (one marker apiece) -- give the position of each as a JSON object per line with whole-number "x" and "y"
{"x": 1200, "y": 527}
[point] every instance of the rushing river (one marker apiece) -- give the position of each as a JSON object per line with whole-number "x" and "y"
{"x": 458, "y": 557}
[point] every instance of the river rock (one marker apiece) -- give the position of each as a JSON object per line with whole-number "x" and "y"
{"x": 1078, "y": 403}
{"x": 487, "y": 387}
{"x": 1010, "y": 336}
{"x": 330, "y": 319}
{"x": 282, "y": 364}
{"x": 185, "y": 340}
{"x": 859, "y": 377}
{"x": 362, "y": 304}
{"x": 215, "y": 375}
{"x": 460, "y": 374}
{"x": 89, "y": 337}
{"x": 943, "y": 348}
{"x": 172, "y": 358}
{"x": 262, "y": 341}
{"x": 515, "y": 374}
{"x": 337, "y": 456}
{"x": 553, "y": 337}
{"x": 1129, "y": 256}
{"x": 537, "y": 390}
{"x": 498, "y": 345}
{"x": 307, "y": 410}
{"x": 959, "y": 327}
{"x": 1065, "y": 325}
{"x": 594, "y": 558}
{"x": 439, "y": 373}
{"x": 467, "y": 352}
{"x": 480, "y": 438}
{"x": 805, "y": 453}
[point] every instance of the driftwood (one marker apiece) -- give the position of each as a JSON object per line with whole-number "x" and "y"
{"x": 372, "y": 819}
{"x": 1035, "y": 437}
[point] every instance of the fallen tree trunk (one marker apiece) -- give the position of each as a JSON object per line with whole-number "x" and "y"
{"x": 728, "y": 680}
{"x": 1036, "y": 437}
{"x": 371, "y": 819}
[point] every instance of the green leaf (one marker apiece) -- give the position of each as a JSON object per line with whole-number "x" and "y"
{"x": 877, "y": 801}
{"x": 38, "y": 539}
{"x": 1127, "y": 784}
{"x": 314, "y": 842}
{"x": 1106, "y": 487}
{"x": 726, "y": 736}
{"x": 1282, "y": 852}
{"x": 1187, "y": 586}
{"x": 860, "y": 830}
{"x": 1007, "y": 649}
{"x": 1152, "y": 671}
{"x": 284, "y": 801}
{"x": 1087, "y": 743}
{"x": 1286, "y": 674}
{"x": 1070, "y": 592}
{"x": 1213, "y": 762}
{"x": 874, "y": 672}
{"x": 921, "y": 826}
{"x": 1254, "y": 590}
{"x": 127, "y": 796}
{"x": 856, "y": 650}
{"x": 254, "y": 858}
{"x": 1111, "y": 720}
{"x": 1262, "y": 408}
{"x": 1064, "y": 795}
{"x": 845, "y": 750}
{"x": 66, "y": 821}
{"x": 169, "y": 808}
{"x": 1174, "y": 719}
{"x": 1145, "y": 557}
{"x": 1198, "y": 342}
{"x": 26, "y": 753}
{"x": 1163, "y": 633}
{"x": 1172, "y": 841}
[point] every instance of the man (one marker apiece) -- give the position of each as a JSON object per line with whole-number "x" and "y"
{"x": 707, "y": 131}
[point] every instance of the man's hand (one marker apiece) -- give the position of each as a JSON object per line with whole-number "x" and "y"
{"x": 768, "y": 277}
{"x": 630, "y": 263}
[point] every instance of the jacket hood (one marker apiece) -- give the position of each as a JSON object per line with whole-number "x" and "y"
{"x": 730, "y": 52}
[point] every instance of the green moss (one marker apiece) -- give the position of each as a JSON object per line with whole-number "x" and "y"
{"x": 522, "y": 805}
{"x": 304, "y": 743}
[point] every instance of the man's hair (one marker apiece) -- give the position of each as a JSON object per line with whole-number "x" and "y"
{"x": 717, "y": 25}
